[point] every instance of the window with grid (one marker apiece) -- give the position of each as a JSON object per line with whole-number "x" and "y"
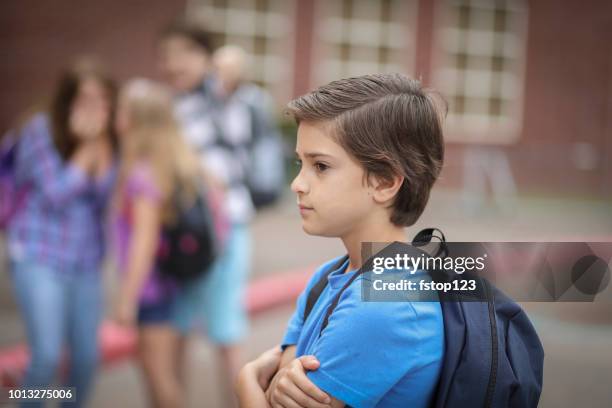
{"x": 261, "y": 27}
{"x": 357, "y": 37}
{"x": 481, "y": 54}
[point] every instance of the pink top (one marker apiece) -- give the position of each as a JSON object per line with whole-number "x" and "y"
{"x": 140, "y": 183}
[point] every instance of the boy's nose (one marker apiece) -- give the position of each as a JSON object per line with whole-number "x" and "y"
{"x": 298, "y": 185}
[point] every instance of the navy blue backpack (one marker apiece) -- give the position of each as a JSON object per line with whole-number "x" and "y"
{"x": 493, "y": 356}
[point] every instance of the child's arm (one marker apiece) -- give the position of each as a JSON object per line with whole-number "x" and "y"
{"x": 287, "y": 356}
{"x": 256, "y": 375}
{"x": 368, "y": 347}
{"x": 146, "y": 215}
{"x": 254, "y": 378}
{"x": 248, "y": 390}
{"x": 302, "y": 390}
{"x": 104, "y": 172}
{"x": 291, "y": 387}
{"x": 39, "y": 164}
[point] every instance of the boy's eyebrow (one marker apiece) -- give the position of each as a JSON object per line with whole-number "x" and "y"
{"x": 313, "y": 154}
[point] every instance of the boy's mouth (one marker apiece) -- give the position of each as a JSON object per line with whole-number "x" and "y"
{"x": 304, "y": 208}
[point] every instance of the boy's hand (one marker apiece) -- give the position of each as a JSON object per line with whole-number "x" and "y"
{"x": 254, "y": 378}
{"x": 291, "y": 388}
{"x": 266, "y": 365}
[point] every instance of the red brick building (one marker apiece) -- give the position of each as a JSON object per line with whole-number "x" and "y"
{"x": 533, "y": 77}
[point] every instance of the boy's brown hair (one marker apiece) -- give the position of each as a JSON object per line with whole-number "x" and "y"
{"x": 192, "y": 31}
{"x": 391, "y": 125}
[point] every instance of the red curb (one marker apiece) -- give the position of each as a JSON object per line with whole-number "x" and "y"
{"x": 268, "y": 292}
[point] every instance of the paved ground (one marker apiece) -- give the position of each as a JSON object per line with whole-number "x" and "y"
{"x": 577, "y": 337}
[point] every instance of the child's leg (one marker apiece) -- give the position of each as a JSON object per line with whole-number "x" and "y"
{"x": 157, "y": 348}
{"x": 226, "y": 319}
{"x": 216, "y": 301}
{"x": 40, "y": 292}
{"x": 180, "y": 360}
{"x": 229, "y": 362}
{"x": 84, "y": 312}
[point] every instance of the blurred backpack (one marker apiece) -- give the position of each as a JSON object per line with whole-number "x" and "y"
{"x": 12, "y": 195}
{"x": 493, "y": 356}
{"x": 193, "y": 241}
{"x": 266, "y": 176}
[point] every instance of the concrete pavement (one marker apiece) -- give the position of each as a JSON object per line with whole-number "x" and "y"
{"x": 577, "y": 338}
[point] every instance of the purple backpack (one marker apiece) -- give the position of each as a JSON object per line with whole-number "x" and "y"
{"x": 12, "y": 195}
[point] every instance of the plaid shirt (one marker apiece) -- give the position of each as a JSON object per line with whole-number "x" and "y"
{"x": 61, "y": 222}
{"x": 220, "y": 133}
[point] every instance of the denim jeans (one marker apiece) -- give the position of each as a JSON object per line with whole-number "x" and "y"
{"x": 60, "y": 308}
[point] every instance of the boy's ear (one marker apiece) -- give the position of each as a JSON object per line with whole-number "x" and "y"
{"x": 384, "y": 190}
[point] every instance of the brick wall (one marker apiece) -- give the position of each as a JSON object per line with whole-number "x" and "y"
{"x": 38, "y": 37}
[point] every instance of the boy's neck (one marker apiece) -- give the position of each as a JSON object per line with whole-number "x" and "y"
{"x": 374, "y": 233}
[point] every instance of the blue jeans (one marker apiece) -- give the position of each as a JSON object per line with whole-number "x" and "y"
{"x": 59, "y": 308}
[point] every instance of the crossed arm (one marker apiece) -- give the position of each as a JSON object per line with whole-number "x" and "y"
{"x": 277, "y": 379}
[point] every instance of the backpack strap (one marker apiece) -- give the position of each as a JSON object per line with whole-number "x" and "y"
{"x": 256, "y": 128}
{"x": 317, "y": 289}
{"x": 367, "y": 265}
{"x": 494, "y": 345}
{"x": 425, "y": 237}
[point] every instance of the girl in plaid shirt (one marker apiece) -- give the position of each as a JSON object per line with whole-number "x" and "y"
{"x": 56, "y": 244}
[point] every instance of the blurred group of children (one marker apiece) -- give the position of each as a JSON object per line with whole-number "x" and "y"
{"x": 100, "y": 167}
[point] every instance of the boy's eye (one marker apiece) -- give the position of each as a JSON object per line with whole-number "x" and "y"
{"x": 321, "y": 167}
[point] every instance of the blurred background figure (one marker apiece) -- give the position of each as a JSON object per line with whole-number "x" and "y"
{"x": 64, "y": 160}
{"x": 482, "y": 164}
{"x": 219, "y": 130}
{"x": 266, "y": 172}
{"x": 155, "y": 164}
{"x": 230, "y": 63}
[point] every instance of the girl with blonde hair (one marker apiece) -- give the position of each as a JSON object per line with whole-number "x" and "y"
{"x": 155, "y": 164}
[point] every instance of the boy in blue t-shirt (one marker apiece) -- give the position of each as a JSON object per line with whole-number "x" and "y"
{"x": 370, "y": 149}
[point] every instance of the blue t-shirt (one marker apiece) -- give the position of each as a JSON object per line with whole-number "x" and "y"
{"x": 372, "y": 354}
